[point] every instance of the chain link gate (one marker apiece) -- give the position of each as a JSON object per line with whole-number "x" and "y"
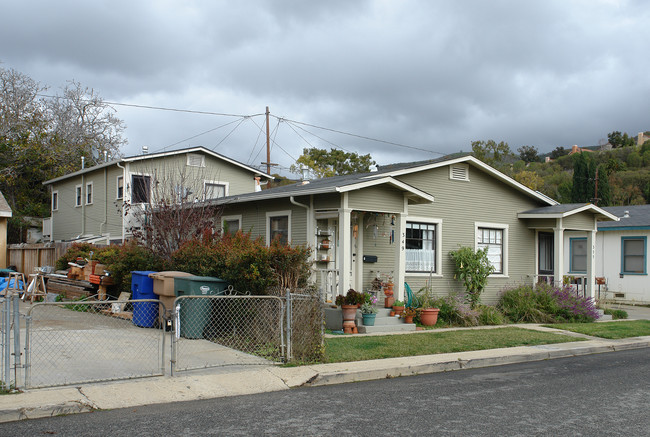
{"x": 10, "y": 347}
{"x": 84, "y": 341}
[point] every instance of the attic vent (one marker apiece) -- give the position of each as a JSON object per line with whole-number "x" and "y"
{"x": 619, "y": 295}
{"x": 195, "y": 160}
{"x": 459, "y": 172}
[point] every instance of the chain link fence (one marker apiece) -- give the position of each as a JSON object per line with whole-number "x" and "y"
{"x": 10, "y": 337}
{"x": 84, "y": 341}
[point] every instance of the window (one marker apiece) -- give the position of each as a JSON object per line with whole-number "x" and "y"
{"x": 230, "y": 224}
{"x": 494, "y": 237}
{"x": 633, "y": 255}
{"x": 420, "y": 247}
{"x": 89, "y": 193}
{"x": 195, "y": 160}
{"x": 140, "y": 188}
{"x": 55, "y": 200}
{"x": 279, "y": 226}
{"x": 578, "y": 255}
{"x": 77, "y": 195}
{"x": 214, "y": 190}
{"x": 120, "y": 187}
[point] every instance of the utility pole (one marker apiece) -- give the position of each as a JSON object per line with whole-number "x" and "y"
{"x": 595, "y": 199}
{"x": 268, "y": 162}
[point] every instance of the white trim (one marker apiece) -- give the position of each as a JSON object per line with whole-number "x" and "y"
{"x": 390, "y": 181}
{"x": 130, "y": 190}
{"x": 504, "y": 244}
{"x": 117, "y": 187}
{"x": 225, "y": 184}
{"x": 224, "y": 218}
{"x": 55, "y": 192}
{"x": 271, "y": 214}
{"x": 78, "y": 199}
{"x": 590, "y": 207}
{"x": 470, "y": 159}
{"x": 438, "y": 248}
{"x": 92, "y": 193}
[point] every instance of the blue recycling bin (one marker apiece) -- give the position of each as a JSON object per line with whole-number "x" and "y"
{"x": 145, "y": 314}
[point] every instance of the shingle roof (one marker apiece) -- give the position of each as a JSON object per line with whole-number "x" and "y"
{"x": 5, "y": 209}
{"x": 555, "y": 209}
{"x": 639, "y": 217}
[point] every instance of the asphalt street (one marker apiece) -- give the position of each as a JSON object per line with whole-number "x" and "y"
{"x": 600, "y": 394}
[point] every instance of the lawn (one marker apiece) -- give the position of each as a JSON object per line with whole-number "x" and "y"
{"x": 610, "y": 330}
{"x": 390, "y": 346}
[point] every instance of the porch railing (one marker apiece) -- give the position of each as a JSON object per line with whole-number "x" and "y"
{"x": 578, "y": 283}
{"x": 328, "y": 283}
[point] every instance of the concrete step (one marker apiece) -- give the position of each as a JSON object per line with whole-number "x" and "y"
{"x": 402, "y": 327}
{"x": 603, "y": 317}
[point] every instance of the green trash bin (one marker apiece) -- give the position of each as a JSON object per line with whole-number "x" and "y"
{"x": 194, "y": 314}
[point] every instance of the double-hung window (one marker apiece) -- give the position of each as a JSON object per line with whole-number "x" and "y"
{"x": 231, "y": 224}
{"x": 493, "y": 240}
{"x": 279, "y": 226}
{"x": 578, "y": 255}
{"x": 89, "y": 193}
{"x": 633, "y": 255}
{"x": 214, "y": 190}
{"x": 78, "y": 195}
{"x": 55, "y": 200}
{"x": 420, "y": 247}
{"x": 140, "y": 188}
{"x": 120, "y": 187}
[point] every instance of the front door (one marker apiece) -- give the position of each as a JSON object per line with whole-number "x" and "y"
{"x": 546, "y": 256}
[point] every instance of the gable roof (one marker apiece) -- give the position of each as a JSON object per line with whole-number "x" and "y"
{"x": 5, "y": 209}
{"x": 135, "y": 158}
{"x": 638, "y": 217}
{"x": 566, "y": 210}
{"x": 412, "y": 167}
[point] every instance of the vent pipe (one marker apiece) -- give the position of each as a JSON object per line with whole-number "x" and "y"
{"x": 83, "y": 162}
{"x": 626, "y": 214}
{"x": 145, "y": 150}
{"x": 105, "y": 155}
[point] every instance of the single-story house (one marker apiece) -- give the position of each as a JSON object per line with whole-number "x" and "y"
{"x": 403, "y": 220}
{"x": 622, "y": 254}
{"x": 104, "y": 202}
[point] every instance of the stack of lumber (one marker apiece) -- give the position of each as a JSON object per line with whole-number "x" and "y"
{"x": 69, "y": 288}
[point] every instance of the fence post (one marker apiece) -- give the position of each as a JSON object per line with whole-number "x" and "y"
{"x": 6, "y": 341}
{"x": 288, "y": 294}
{"x": 28, "y": 364}
{"x": 17, "y": 351}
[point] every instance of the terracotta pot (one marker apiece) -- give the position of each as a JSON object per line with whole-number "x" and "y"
{"x": 408, "y": 319}
{"x": 388, "y": 301}
{"x": 398, "y": 310}
{"x": 429, "y": 316}
{"x": 349, "y": 312}
{"x": 392, "y": 313}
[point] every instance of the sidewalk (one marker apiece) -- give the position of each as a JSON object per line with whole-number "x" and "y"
{"x": 214, "y": 383}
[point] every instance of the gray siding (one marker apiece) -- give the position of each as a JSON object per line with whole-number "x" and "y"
{"x": 327, "y": 201}
{"x": 460, "y": 205}
{"x": 583, "y": 221}
{"x": 382, "y": 198}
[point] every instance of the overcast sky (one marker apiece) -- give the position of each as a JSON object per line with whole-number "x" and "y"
{"x": 431, "y": 75}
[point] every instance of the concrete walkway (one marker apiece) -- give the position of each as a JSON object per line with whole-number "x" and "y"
{"x": 243, "y": 380}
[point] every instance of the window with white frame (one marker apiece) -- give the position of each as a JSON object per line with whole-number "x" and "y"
{"x": 494, "y": 238}
{"x": 78, "y": 195}
{"x": 230, "y": 224}
{"x": 195, "y": 160}
{"x": 140, "y": 188}
{"x": 214, "y": 190}
{"x": 633, "y": 255}
{"x": 578, "y": 255}
{"x": 278, "y": 226}
{"x": 120, "y": 187}
{"x": 420, "y": 247}
{"x": 89, "y": 193}
{"x": 55, "y": 200}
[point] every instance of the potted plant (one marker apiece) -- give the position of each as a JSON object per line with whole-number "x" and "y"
{"x": 349, "y": 304}
{"x": 428, "y": 311}
{"x": 368, "y": 313}
{"x": 398, "y": 307}
{"x": 408, "y": 314}
{"x": 388, "y": 292}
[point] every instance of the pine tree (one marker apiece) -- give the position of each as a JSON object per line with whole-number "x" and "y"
{"x": 579, "y": 191}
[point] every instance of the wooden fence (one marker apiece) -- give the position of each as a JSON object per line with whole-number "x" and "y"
{"x": 26, "y": 257}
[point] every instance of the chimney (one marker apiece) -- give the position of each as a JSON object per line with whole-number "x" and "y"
{"x": 83, "y": 162}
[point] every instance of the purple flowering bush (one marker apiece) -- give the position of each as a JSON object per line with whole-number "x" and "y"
{"x": 546, "y": 304}
{"x": 455, "y": 311}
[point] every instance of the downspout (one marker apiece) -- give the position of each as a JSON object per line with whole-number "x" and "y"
{"x": 309, "y": 222}
{"x": 103, "y": 224}
{"x": 123, "y": 196}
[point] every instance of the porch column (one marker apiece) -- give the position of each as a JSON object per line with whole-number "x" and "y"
{"x": 357, "y": 262}
{"x": 558, "y": 267}
{"x": 400, "y": 253}
{"x": 345, "y": 251}
{"x": 591, "y": 263}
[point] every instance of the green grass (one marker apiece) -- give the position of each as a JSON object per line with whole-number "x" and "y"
{"x": 390, "y": 346}
{"x": 611, "y": 330}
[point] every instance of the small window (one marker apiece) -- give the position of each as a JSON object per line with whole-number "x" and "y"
{"x": 214, "y": 190}
{"x": 195, "y": 160}
{"x": 279, "y": 226}
{"x": 633, "y": 255}
{"x": 140, "y": 188}
{"x": 89, "y": 193}
{"x": 231, "y": 224}
{"x": 420, "y": 247}
{"x": 459, "y": 172}
{"x": 492, "y": 239}
{"x": 120, "y": 187}
{"x": 78, "y": 195}
{"x": 578, "y": 255}
{"x": 55, "y": 200}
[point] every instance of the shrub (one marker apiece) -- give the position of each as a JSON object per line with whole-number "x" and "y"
{"x": 616, "y": 314}
{"x": 489, "y": 315}
{"x": 455, "y": 311}
{"x": 73, "y": 252}
{"x": 121, "y": 260}
{"x": 472, "y": 269}
{"x": 545, "y": 304}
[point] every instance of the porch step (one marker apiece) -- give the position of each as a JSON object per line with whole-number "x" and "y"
{"x": 385, "y": 323}
{"x": 602, "y": 316}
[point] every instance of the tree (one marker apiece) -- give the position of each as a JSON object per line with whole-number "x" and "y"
{"x": 579, "y": 190}
{"x": 604, "y": 192}
{"x": 472, "y": 268}
{"x": 530, "y": 179}
{"x": 616, "y": 139}
{"x": 528, "y": 154}
{"x": 43, "y": 138}
{"x": 325, "y": 163}
{"x": 558, "y": 151}
{"x": 491, "y": 152}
